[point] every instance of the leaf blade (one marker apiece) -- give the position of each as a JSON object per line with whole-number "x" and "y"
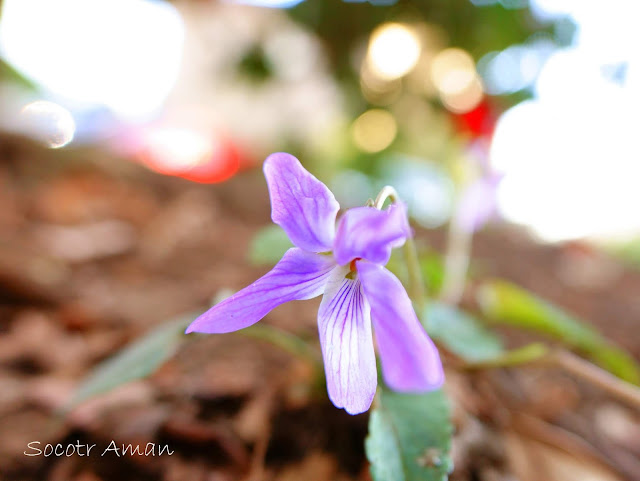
{"x": 410, "y": 437}
{"x": 135, "y": 361}
{"x": 505, "y": 303}
{"x": 461, "y": 333}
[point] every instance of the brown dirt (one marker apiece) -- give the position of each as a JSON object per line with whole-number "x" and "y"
{"x": 93, "y": 254}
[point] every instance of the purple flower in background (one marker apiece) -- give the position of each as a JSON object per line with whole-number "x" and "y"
{"x": 478, "y": 203}
{"x": 345, "y": 266}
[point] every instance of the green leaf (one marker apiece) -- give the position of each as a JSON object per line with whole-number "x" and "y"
{"x": 135, "y": 361}
{"x": 515, "y": 357}
{"x": 269, "y": 245}
{"x": 505, "y": 303}
{"x": 461, "y": 334}
{"x": 410, "y": 437}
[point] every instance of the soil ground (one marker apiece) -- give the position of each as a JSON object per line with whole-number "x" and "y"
{"x": 93, "y": 254}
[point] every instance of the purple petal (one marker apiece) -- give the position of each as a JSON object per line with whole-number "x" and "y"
{"x": 302, "y": 205}
{"x": 298, "y": 275}
{"x": 347, "y": 345}
{"x": 410, "y": 360}
{"x": 478, "y": 203}
{"x": 369, "y": 233}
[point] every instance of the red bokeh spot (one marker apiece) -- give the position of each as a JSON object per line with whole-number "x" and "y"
{"x": 190, "y": 155}
{"x": 479, "y": 122}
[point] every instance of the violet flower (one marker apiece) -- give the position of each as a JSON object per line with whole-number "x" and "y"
{"x": 345, "y": 265}
{"x": 478, "y": 203}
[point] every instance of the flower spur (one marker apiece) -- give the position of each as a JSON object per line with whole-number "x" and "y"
{"x": 346, "y": 266}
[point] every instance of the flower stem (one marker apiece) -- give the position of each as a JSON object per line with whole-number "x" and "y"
{"x": 416, "y": 283}
{"x": 387, "y": 192}
{"x": 516, "y": 357}
{"x": 615, "y": 386}
{"x": 456, "y": 263}
{"x": 566, "y": 360}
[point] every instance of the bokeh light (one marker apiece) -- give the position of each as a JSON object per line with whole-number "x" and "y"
{"x": 453, "y": 72}
{"x": 464, "y": 100}
{"x": 376, "y": 90}
{"x": 394, "y": 49}
{"x": 178, "y": 149}
{"x": 187, "y": 153}
{"x": 570, "y": 155}
{"x": 374, "y": 130}
{"x": 515, "y": 68}
{"x": 424, "y": 186}
{"x": 48, "y": 122}
{"x": 568, "y": 175}
{"x": 124, "y": 54}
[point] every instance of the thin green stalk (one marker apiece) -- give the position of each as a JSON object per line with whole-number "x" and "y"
{"x": 416, "y": 283}
{"x": 456, "y": 263}
{"x": 516, "y": 357}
